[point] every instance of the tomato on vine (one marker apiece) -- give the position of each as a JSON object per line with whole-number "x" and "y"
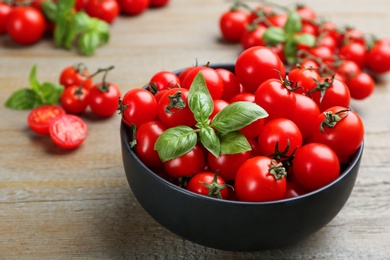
{"x": 77, "y": 74}
{"x": 74, "y": 99}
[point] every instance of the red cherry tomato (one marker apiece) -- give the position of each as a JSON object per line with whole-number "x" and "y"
{"x": 25, "y": 25}
{"x": 302, "y": 78}
{"x": 74, "y": 99}
{"x": 76, "y": 75}
{"x": 68, "y": 131}
{"x": 315, "y": 165}
{"x": 5, "y": 10}
{"x": 232, "y": 24}
{"x": 133, "y": 7}
{"x": 106, "y": 10}
{"x": 252, "y": 37}
{"x": 40, "y": 117}
{"x": 227, "y": 164}
{"x": 256, "y": 65}
{"x": 231, "y": 86}
{"x": 259, "y": 179}
{"x": 164, "y": 80}
{"x": 378, "y": 57}
{"x": 158, "y": 3}
{"x": 361, "y": 85}
{"x": 138, "y": 106}
{"x": 208, "y": 184}
{"x": 103, "y": 99}
{"x": 354, "y": 51}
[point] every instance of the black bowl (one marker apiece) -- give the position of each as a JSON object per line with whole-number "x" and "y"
{"x": 234, "y": 225}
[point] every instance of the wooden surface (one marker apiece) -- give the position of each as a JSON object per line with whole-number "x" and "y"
{"x": 57, "y": 204}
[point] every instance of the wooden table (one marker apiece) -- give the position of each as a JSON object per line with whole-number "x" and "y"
{"x": 57, "y": 204}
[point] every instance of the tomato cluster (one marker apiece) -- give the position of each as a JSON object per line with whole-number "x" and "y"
{"x": 298, "y": 36}
{"x": 26, "y": 22}
{"x": 308, "y": 135}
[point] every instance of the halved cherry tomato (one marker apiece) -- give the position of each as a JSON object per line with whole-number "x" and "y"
{"x": 68, "y": 131}
{"x": 40, "y": 117}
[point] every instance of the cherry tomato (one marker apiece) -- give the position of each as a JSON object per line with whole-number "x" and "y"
{"x": 227, "y": 164}
{"x": 306, "y": 13}
{"x": 354, "y": 51}
{"x": 256, "y": 65}
{"x": 219, "y": 104}
{"x": 252, "y": 37}
{"x": 315, "y": 165}
{"x": 274, "y": 96}
{"x": 106, "y": 10}
{"x": 281, "y": 133}
{"x": 232, "y": 24}
{"x": 208, "y": 184}
{"x": 164, "y": 80}
{"x": 294, "y": 189}
{"x": 173, "y": 109}
{"x": 213, "y": 80}
{"x": 260, "y": 179}
{"x": 103, "y": 99}
{"x": 231, "y": 86}
{"x": 339, "y": 128}
{"x": 138, "y": 106}
{"x": 68, "y": 131}
{"x": 187, "y": 164}
{"x": 25, "y": 25}
{"x": 146, "y": 136}
{"x": 158, "y": 3}
{"x": 133, "y": 7}
{"x": 76, "y": 75}
{"x": 278, "y": 20}
{"x": 347, "y": 69}
{"x": 378, "y": 57}
{"x": 74, "y": 99}
{"x": 5, "y": 10}
{"x": 40, "y": 117}
{"x": 361, "y": 85}
{"x": 302, "y": 78}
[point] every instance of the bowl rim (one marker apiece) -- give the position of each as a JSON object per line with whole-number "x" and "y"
{"x": 350, "y": 164}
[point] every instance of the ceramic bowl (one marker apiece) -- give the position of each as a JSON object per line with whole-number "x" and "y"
{"x": 234, "y": 225}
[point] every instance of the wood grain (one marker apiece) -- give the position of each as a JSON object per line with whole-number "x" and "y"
{"x": 57, "y": 204}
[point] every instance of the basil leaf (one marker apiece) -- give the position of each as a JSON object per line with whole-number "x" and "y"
{"x": 274, "y": 35}
{"x": 60, "y": 31}
{"x": 66, "y": 5}
{"x": 32, "y": 78}
{"x": 210, "y": 140}
{"x": 237, "y": 115}
{"x": 50, "y": 93}
{"x": 305, "y": 39}
{"x": 234, "y": 142}
{"x": 293, "y": 23}
{"x": 175, "y": 142}
{"x": 23, "y": 99}
{"x": 290, "y": 50}
{"x": 88, "y": 42}
{"x": 50, "y": 9}
{"x": 199, "y": 100}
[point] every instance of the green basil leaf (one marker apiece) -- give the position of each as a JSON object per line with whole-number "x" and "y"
{"x": 50, "y": 93}
{"x": 23, "y": 99}
{"x": 88, "y": 42}
{"x": 76, "y": 25}
{"x": 32, "y": 78}
{"x": 175, "y": 142}
{"x": 65, "y": 5}
{"x": 293, "y": 23}
{"x": 234, "y": 142}
{"x": 274, "y": 35}
{"x": 290, "y": 51}
{"x": 50, "y": 10}
{"x": 210, "y": 140}
{"x": 60, "y": 31}
{"x": 199, "y": 100}
{"x": 306, "y": 39}
{"x": 237, "y": 115}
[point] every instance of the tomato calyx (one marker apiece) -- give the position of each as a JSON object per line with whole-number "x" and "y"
{"x": 215, "y": 188}
{"x": 277, "y": 169}
{"x": 282, "y": 156}
{"x": 331, "y": 118}
{"x": 175, "y": 101}
{"x": 322, "y": 86}
{"x": 104, "y": 86}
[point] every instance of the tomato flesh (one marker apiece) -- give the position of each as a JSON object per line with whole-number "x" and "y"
{"x": 68, "y": 131}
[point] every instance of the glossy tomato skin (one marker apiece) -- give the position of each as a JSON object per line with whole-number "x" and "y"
{"x": 175, "y": 116}
{"x": 139, "y": 106}
{"x": 253, "y": 37}
{"x": 227, "y": 164}
{"x": 106, "y": 10}
{"x": 74, "y": 99}
{"x": 273, "y": 96}
{"x": 103, "y": 100}
{"x": 354, "y": 51}
{"x": 187, "y": 164}
{"x": 197, "y": 184}
{"x": 345, "y": 137}
{"x": 163, "y": 80}
{"x": 281, "y": 131}
{"x": 68, "y": 131}
{"x": 361, "y": 85}
{"x": 158, "y": 3}
{"x": 231, "y": 86}
{"x": 5, "y": 10}
{"x": 302, "y": 78}
{"x": 315, "y": 165}
{"x": 254, "y": 182}
{"x": 133, "y": 7}
{"x": 378, "y": 57}
{"x": 213, "y": 80}
{"x": 256, "y": 65}
{"x": 40, "y": 117}
{"x": 25, "y": 25}
{"x": 76, "y": 75}
{"x": 146, "y": 136}
{"x": 232, "y": 24}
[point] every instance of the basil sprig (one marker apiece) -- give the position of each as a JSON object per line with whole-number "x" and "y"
{"x": 221, "y": 136}
{"x": 38, "y": 94}
{"x": 288, "y": 35}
